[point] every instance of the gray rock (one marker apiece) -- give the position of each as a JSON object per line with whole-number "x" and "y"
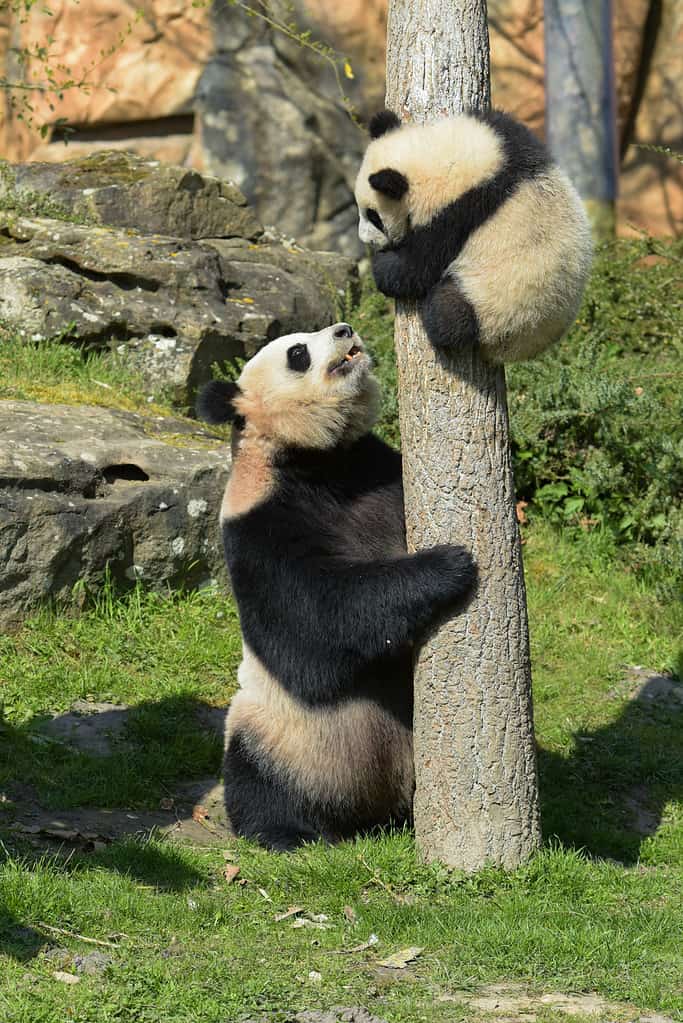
{"x": 271, "y": 115}
{"x": 85, "y": 490}
{"x": 125, "y": 190}
{"x": 92, "y": 963}
{"x": 176, "y": 306}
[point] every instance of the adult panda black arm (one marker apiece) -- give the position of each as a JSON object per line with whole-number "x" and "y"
{"x": 320, "y": 620}
{"x": 411, "y": 269}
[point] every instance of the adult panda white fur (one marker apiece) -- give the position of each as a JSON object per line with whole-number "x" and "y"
{"x": 319, "y": 734}
{"x": 471, "y": 216}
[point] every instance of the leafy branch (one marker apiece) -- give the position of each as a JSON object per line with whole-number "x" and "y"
{"x": 339, "y": 64}
{"x": 55, "y": 78}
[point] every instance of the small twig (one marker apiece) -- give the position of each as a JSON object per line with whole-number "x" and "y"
{"x": 375, "y": 878}
{"x": 77, "y": 937}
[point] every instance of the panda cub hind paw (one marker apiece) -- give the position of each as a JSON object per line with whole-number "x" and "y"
{"x": 448, "y": 318}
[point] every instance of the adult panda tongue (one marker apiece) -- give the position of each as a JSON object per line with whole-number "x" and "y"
{"x": 352, "y": 353}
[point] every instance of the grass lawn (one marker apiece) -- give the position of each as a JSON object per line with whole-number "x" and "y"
{"x": 601, "y": 908}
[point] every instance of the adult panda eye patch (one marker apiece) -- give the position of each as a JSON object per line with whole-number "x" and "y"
{"x": 298, "y": 358}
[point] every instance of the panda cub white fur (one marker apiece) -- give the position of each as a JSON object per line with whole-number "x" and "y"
{"x": 471, "y": 217}
{"x": 319, "y": 735}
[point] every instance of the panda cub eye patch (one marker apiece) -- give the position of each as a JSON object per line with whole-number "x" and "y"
{"x": 375, "y": 219}
{"x": 298, "y": 358}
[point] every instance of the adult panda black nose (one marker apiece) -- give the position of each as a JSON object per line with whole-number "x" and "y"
{"x": 342, "y": 330}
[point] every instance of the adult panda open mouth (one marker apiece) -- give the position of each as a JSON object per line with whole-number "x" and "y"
{"x": 348, "y": 361}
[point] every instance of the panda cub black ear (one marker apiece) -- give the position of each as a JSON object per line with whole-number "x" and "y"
{"x": 389, "y": 182}
{"x": 382, "y": 122}
{"x": 215, "y": 402}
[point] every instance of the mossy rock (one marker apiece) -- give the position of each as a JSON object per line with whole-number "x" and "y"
{"x": 124, "y": 190}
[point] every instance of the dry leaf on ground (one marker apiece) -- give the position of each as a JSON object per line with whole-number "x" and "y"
{"x": 399, "y": 960}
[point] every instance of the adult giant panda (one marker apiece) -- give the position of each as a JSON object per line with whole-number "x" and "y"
{"x": 319, "y": 734}
{"x": 471, "y": 216}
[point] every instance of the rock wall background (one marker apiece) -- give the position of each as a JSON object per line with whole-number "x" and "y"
{"x": 218, "y": 91}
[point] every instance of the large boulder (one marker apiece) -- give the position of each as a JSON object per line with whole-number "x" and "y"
{"x": 85, "y": 491}
{"x": 175, "y": 271}
{"x": 271, "y": 119}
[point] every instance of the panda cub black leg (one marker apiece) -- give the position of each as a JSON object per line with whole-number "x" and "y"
{"x": 449, "y": 319}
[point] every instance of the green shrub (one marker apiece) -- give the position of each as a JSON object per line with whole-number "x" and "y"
{"x": 596, "y": 422}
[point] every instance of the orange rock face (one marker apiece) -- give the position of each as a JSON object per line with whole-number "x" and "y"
{"x": 134, "y": 68}
{"x": 648, "y": 55}
{"x": 140, "y": 92}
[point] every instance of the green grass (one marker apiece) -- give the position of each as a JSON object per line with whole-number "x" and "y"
{"x": 196, "y": 949}
{"x": 60, "y": 373}
{"x": 167, "y": 656}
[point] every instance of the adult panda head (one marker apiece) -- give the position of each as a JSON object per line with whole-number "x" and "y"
{"x": 303, "y": 390}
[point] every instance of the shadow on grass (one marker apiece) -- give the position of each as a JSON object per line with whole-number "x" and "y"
{"x": 16, "y": 940}
{"x": 154, "y": 865}
{"x": 73, "y": 802}
{"x": 609, "y": 794}
{"x": 128, "y": 757}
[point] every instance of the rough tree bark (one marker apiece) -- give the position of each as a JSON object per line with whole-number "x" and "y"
{"x": 477, "y": 797}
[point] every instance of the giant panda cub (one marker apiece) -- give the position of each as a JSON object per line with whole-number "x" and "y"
{"x": 471, "y": 216}
{"x": 319, "y": 734}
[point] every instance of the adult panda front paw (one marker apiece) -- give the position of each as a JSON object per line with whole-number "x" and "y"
{"x": 458, "y": 569}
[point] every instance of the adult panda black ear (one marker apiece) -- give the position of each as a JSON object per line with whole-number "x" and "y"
{"x": 389, "y": 182}
{"x": 382, "y": 122}
{"x": 215, "y": 402}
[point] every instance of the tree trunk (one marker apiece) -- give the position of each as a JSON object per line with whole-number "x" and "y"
{"x": 580, "y": 102}
{"x": 476, "y": 800}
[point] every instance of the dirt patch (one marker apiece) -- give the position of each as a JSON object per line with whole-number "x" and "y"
{"x": 101, "y": 728}
{"x": 514, "y": 1003}
{"x": 644, "y": 819}
{"x": 194, "y": 814}
{"x": 650, "y": 689}
{"x": 338, "y": 1015}
{"x": 89, "y": 727}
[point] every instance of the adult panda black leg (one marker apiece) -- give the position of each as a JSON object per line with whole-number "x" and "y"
{"x": 448, "y": 318}
{"x": 260, "y": 805}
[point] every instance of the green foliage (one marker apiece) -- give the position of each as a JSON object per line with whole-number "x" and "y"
{"x": 374, "y": 321}
{"x": 596, "y": 422}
